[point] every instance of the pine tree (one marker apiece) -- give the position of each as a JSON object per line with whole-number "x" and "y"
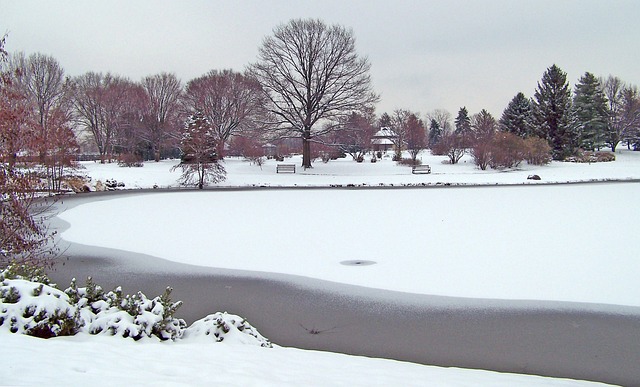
{"x": 384, "y": 121}
{"x": 553, "y": 113}
{"x": 435, "y": 133}
{"x": 590, "y": 109}
{"x": 483, "y": 124}
{"x": 463, "y": 122}
{"x": 199, "y": 161}
{"x": 517, "y": 118}
{"x": 463, "y": 127}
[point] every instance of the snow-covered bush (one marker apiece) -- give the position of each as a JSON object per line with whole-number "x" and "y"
{"x": 134, "y": 316}
{"x": 592, "y": 157}
{"x": 228, "y": 328}
{"x": 30, "y": 304}
{"x": 35, "y": 308}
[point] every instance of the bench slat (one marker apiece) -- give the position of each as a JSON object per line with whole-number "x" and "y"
{"x": 416, "y": 169}
{"x": 285, "y": 168}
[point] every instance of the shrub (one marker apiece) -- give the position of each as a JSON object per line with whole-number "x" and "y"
{"x": 538, "y": 151}
{"x": 507, "y": 150}
{"x": 40, "y": 309}
{"x": 451, "y": 145}
{"x": 591, "y": 157}
{"x": 227, "y": 327}
{"x": 409, "y": 161}
{"x": 134, "y": 316}
{"x": 605, "y": 157}
{"x": 130, "y": 160}
{"x": 35, "y": 308}
{"x": 481, "y": 153}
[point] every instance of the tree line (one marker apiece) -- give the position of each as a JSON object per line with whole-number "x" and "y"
{"x": 309, "y": 84}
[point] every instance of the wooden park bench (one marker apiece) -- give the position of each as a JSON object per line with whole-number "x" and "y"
{"x": 417, "y": 169}
{"x": 286, "y": 168}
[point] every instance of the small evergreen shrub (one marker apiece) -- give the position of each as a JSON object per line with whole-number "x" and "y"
{"x": 228, "y": 328}
{"x": 36, "y": 309}
{"x": 31, "y": 305}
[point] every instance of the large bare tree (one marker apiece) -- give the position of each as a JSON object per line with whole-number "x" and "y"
{"x": 162, "y": 111}
{"x": 229, "y": 100}
{"x": 41, "y": 79}
{"x": 109, "y": 108}
{"x": 310, "y": 72}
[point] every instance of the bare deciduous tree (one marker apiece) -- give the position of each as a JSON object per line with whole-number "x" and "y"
{"x": 24, "y": 238}
{"x": 109, "y": 108}
{"x": 161, "y": 112}
{"x": 453, "y": 145}
{"x": 416, "y": 137}
{"x": 442, "y": 117}
{"x": 631, "y": 116}
{"x": 231, "y": 102}
{"x": 354, "y": 135}
{"x": 310, "y": 72}
{"x": 399, "y": 120}
{"x": 41, "y": 78}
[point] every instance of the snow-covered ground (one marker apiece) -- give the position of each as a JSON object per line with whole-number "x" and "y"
{"x": 386, "y": 172}
{"x": 571, "y": 243}
{"x": 109, "y": 361}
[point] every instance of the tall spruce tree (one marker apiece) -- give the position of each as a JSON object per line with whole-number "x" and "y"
{"x": 517, "y": 118}
{"x": 463, "y": 122}
{"x": 435, "y": 133}
{"x": 553, "y": 113}
{"x": 590, "y": 109}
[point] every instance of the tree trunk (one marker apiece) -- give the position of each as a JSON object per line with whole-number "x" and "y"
{"x": 306, "y": 152}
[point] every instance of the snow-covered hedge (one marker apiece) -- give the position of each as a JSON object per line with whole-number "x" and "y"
{"x": 226, "y": 327}
{"x": 133, "y": 316}
{"x": 30, "y": 304}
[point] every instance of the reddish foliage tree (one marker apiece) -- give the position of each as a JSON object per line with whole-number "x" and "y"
{"x": 354, "y": 137}
{"x": 507, "y": 150}
{"x": 481, "y": 153}
{"x": 109, "y": 108}
{"x": 538, "y": 151}
{"x": 452, "y": 145}
{"x": 61, "y": 148}
{"x": 415, "y": 136}
{"x": 161, "y": 113}
{"x": 24, "y": 237}
{"x": 231, "y": 102}
{"x": 16, "y": 127}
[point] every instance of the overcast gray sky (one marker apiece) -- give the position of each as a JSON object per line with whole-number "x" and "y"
{"x": 424, "y": 54}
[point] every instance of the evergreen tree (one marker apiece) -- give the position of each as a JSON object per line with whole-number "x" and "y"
{"x": 517, "y": 118}
{"x": 384, "y": 121}
{"x": 435, "y": 133}
{"x": 553, "y": 113}
{"x": 199, "y": 161}
{"x": 483, "y": 124}
{"x": 463, "y": 127}
{"x": 463, "y": 122}
{"x": 590, "y": 109}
